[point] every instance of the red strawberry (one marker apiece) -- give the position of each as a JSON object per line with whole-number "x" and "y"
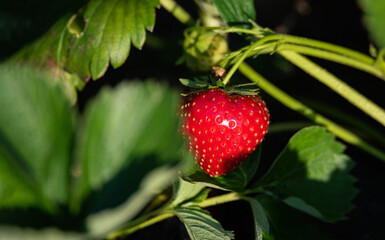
{"x": 222, "y": 129}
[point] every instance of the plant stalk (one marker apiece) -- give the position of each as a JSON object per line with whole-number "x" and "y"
{"x": 164, "y": 213}
{"x": 334, "y": 83}
{"x": 178, "y": 12}
{"x": 225, "y": 198}
{"x": 335, "y": 57}
{"x": 141, "y": 225}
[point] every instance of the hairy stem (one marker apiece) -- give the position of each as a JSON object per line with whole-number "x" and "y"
{"x": 156, "y": 216}
{"x": 299, "y": 107}
{"x": 225, "y": 198}
{"x": 335, "y": 57}
{"x": 141, "y": 225}
{"x": 277, "y": 42}
{"x": 178, "y": 12}
{"x": 336, "y": 85}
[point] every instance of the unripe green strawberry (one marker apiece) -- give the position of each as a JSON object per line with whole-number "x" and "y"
{"x": 204, "y": 50}
{"x": 222, "y": 129}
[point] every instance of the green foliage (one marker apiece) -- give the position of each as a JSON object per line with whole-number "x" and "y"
{"x": 115, "y": 141}
{"x": 374, "y": 19}
{"x": 236, "y": 12}
{"x": 184, "y": 191}
{"x": 312, "y": 175}
{"x": 105, "y": 168}
{"x": 236, "y": 180}
{"x": 129, "y": 134}
{"x": 127, "y": 131}
{"x": 102, "y": 222}
{"x": 36, "y": 129}
{"x": 261, "y": 223}
{"x": 289, "y": 224}
{"x": 201, "y": 226}
{"x": 111, "y": 26}
{"x": 99, "y": 34}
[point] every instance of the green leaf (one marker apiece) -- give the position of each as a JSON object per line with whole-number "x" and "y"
{"x": 201, "y": 226}
{"x": 194, "y": 83}
{"x": 236, "y": 180}
{"x": 236, "y": 12}
{"x": 260, "y": 220}
{"x": 49, "y": 53}
{"x": 107, "y": 220}
{"x": 126, "y": 132}
{"x": 36, "y": 131}
{"x": 184, "y": 191}
{"x": 374, "y": 19}
{"x": 289, "y": 224}
{"x": 312, "y": 175}
{"x": 111, "y": 27}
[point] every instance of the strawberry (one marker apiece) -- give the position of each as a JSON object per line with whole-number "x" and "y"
{"x": 223, "y": 129}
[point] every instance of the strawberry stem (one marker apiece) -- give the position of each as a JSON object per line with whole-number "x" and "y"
{"x": 299, "y": 107}
{"x": 240, "y": 60}
{"x": 336, "y": 85}
{"x": 163, "y": 213}
{"x": 178, "y": 12}
{"x": 225, "y": 198}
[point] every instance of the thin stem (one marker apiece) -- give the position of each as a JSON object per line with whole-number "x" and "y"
{"x": 331, "y": 52}
{"x": 225, "y": 198}
{"x": 167, "y": 212}
{"x": 178, "y": 12}
{"x": 329, "y": 47}
{"x": 144, "y": 224}
{"x": 336, "y": 85}
{"x": 225, "y": 30}
{"x": 282, "y": 39}
{"x": 236, "y": 65}
{"x": 332, "y": 56}
{"x": 299, "y": 107}
{"x": 234, "y": 56}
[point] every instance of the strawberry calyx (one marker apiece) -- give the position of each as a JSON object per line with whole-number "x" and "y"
{"x": 200, "y": 85}
{"x": 215, "y": 80}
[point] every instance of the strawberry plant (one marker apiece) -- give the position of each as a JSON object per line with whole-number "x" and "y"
{"x": 209, "y": 138}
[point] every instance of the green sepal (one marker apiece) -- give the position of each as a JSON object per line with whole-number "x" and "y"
{"x": 194, "y": 83}
{"x": 201, "y": 85}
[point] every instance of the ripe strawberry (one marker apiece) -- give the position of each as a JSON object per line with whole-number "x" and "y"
{"x": 222, "y": 129}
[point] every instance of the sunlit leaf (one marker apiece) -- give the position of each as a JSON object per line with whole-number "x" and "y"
{"x": 201, "y": 226}
{"x": 110, "y": 28}
{"x": 312, "y": 175}
{"x": 184, "y": 191}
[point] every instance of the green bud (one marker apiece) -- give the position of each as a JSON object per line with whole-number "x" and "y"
{"x": 204, "y": 50}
